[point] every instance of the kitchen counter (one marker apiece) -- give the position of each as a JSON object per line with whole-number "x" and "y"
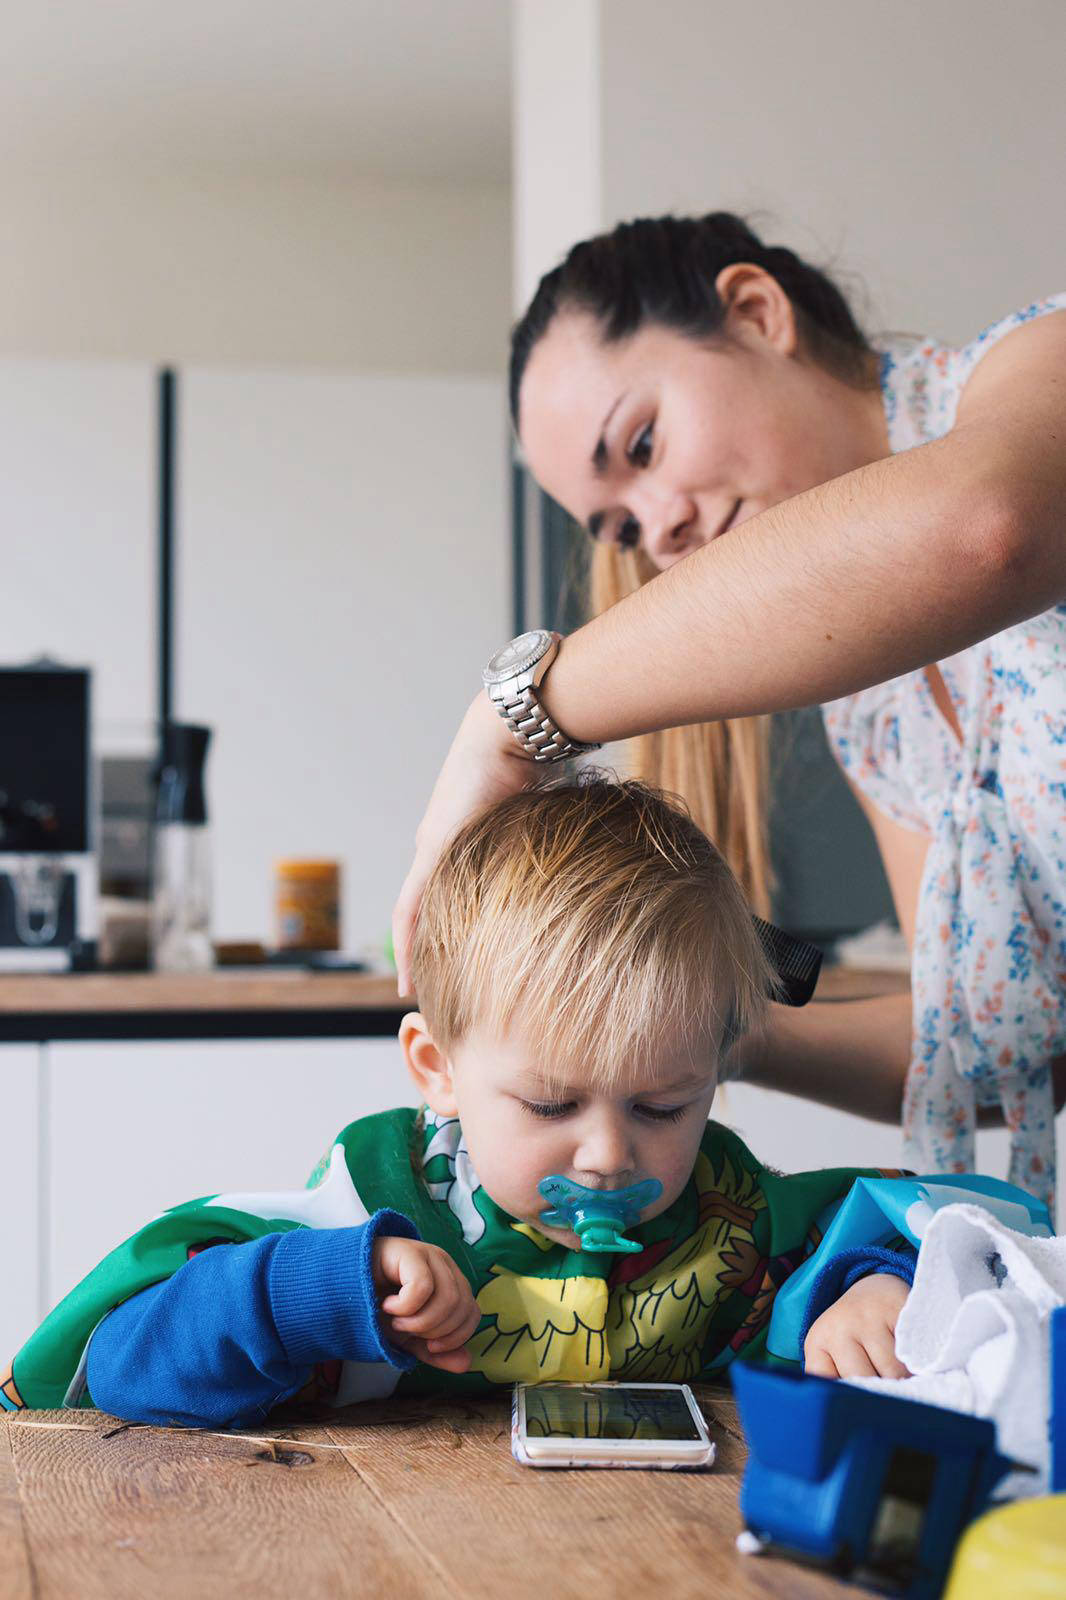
{"x": 245, "y": 1003}
{"x": 251, "y": 1003}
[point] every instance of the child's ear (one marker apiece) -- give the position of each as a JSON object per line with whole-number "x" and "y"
{"x": 428, "y": 1065}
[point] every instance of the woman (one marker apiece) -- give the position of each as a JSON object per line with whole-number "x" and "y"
{"x": 687, "y": 392}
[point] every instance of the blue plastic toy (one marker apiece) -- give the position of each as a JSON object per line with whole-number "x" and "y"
{"x": 868, "y": 1485}
{"x": 597, "y": 1216}
{"x": 1057, "y": 1421}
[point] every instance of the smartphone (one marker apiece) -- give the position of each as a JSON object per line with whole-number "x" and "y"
{"x": 609, "y": 1425}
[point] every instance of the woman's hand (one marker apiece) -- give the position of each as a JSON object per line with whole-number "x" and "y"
{"x": 483, "y": 765}
{"x": 430, "y": 1310}
{"x": 856, "y": 1337}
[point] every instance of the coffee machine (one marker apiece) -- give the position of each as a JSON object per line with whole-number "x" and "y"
{"x": 47, "y": 863}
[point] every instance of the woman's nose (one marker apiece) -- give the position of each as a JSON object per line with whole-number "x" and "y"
{"x": 669, "y": 524}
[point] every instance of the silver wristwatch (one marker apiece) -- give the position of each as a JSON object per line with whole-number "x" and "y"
{"x": 511, "y": 679}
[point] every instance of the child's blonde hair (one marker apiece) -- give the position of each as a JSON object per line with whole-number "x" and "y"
{"x": 598, "y": 918}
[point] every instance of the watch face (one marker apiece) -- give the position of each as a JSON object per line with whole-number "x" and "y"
{"x": 518, "y": 655}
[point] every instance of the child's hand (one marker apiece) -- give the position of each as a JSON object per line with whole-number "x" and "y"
{"x": 426, "y": 1300}
{"x": 856, "y": 1337}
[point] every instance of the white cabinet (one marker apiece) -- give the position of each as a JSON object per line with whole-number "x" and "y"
{"x": 139, "y": 1127}
{"x": 794, "y": 1135}
{"x": 19, "y": 1197}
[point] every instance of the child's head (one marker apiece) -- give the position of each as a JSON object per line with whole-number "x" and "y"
{"x": 583, "y": 959}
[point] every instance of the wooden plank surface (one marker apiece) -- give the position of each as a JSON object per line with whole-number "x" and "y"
{"x": 413, "y": 1499}
{"x": 859, "y": 983}
{"x": 116, "y": 1513}
{"x": 222, "y": 990}
{"x": 272, "y": 990}
{"x": 16, "y": 1578}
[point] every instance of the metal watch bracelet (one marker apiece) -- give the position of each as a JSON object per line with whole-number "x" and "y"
{"x": 541, "y": 738}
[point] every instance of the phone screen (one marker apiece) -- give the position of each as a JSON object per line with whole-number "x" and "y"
{"x": 577, "y": 1411}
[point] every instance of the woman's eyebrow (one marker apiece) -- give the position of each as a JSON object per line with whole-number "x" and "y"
{"x": 599, "y": 454}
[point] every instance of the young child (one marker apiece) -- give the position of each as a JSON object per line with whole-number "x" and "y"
{"x": 584, "y": 959}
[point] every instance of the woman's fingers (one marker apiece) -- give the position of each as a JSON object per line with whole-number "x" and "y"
{"x": 404, "y": 916}
{"x": 483, "y": 765}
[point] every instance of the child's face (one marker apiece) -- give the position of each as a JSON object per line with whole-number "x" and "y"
{"x": 519, "y": 1130}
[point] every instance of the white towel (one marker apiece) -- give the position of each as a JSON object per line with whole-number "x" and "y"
{"x": 975, "y": 1332}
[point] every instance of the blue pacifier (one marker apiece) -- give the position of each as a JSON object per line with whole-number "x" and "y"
{"x": 597, "y": 1216}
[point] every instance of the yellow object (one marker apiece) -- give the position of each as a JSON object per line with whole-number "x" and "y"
{"x": 307, "y": 904}
{"x": 1015, "y": 1553}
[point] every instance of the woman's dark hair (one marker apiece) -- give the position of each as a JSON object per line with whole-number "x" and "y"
{"x": 663, "y": 270}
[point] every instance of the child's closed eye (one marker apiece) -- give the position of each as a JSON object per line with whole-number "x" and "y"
{"x": 545, "y": 1108}
{"x": 548, "y": 1109}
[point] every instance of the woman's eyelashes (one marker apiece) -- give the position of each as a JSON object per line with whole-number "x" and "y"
{"x": 638, "y": 454}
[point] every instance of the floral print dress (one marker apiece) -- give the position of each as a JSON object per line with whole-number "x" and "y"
{"x": 989, "y": 959}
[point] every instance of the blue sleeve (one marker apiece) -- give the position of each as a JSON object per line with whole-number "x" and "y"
{"x": 239, "y": 1327}
{"x": 846, "y": 1268}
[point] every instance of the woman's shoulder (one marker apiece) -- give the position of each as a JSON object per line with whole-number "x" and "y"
{"x": 970, "y": 354}
{"x": 922, "y": 379}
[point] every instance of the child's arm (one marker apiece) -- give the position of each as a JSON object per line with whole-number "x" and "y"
{"x": 239, "y": 1327}
{"x": 850, "y": 1326}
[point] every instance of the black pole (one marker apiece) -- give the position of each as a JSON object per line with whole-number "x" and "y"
{"x": 168, "y": 404}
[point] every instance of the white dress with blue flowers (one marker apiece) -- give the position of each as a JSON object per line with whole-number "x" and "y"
{"x": 989, "y": 959}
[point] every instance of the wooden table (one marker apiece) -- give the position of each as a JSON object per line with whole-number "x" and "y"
{"x": 401, "y": 1498}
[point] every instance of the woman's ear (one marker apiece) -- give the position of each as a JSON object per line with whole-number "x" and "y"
{"x": 428, "y": 1065}
{"x": 757, "y": 307}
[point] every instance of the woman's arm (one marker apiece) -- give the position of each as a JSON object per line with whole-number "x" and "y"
{"x": 888, "y": 568}
{"x": 873, "y": 574}
{"x": 850, "y": 1054}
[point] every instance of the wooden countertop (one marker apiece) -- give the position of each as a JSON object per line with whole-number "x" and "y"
{"x": 224, "y": 989}
{"x": 271, "y": 989}
{"x": 229, "y": 1003}
{"x": 250, "y": 1003}
{"x": 415, "y": 1499}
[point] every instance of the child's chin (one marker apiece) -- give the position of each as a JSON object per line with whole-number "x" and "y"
{"x": 557, "y": 1235}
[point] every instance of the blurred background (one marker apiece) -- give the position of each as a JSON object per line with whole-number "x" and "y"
{"x": 258, "y": 270}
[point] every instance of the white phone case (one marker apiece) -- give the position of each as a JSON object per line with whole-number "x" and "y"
{"x": 699, "y": 1463}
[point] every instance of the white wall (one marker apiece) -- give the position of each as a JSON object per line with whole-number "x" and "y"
{"x": 916, "y": 146}
{"x": 343, "y": 576}
{"x": 556, "y": 127}
{"x": 246, "y": 267}
{"x": 77, "y": 542}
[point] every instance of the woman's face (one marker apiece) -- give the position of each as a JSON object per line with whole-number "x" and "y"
{"x": 665, "y": 442}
